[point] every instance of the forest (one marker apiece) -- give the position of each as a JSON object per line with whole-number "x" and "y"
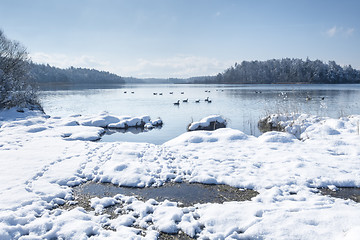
{"x": 278, "y": 71}
{"x": 41, "y": 73}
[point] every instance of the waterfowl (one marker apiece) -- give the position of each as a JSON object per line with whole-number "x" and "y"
{"x": 308, "y": 98}
{"x": 197, "y": 100}
{"x": 182, "y": 92}
{"x": 155, "y": 93}
{"x": 177, "y": 103}
{"x": 185, "y": 100}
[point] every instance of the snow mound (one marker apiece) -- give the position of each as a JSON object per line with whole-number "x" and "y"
{"x": 105, "y": 120}
{"x": 277, "y": 137}
{"x": 82, "y": 133}
{"x": 222, "y": 135}
{"x": 208, "y": 123}
{"x": 100, "y": 203}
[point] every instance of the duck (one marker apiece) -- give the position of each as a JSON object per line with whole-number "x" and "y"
{"x": 182, "y": 92}
{"x": 197, "y": 100}
{"x": 171, "y": 92}
{"x": 155, "y": 93}
{"x": 177, "y": 103}
{"x": 160, "y": 93}
{"x": 206, "y": 99}
{"x": 308, "y": 98}
{"x": 209, "y": 101}
{"x": 185, "y": 100}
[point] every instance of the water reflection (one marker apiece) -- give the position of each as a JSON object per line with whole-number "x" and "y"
{"x": 112, "y": 135}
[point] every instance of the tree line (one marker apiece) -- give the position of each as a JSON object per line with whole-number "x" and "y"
{"x": 285, "y": 71}
{"x": 42, "y": 73}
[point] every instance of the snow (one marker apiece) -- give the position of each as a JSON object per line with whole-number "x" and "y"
{"x": 99, "y": 204}
{"x": 205, "y": 122}
{"x": 40, "y": 164}
{"x": 105, "y": 120}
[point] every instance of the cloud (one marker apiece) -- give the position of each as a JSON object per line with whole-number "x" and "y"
{"x": 349, "y": 31}
{"x": 180, "y": 66}
{"x": 334, "y": 31}
{"x": 65, "y": 61}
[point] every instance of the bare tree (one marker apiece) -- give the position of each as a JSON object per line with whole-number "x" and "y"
{"x": 16, "y": 88}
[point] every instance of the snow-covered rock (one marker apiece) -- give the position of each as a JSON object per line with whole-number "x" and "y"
{"x": 208, "y": 123}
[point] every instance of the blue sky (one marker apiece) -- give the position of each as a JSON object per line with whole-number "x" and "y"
{"x": 182, "y": 38}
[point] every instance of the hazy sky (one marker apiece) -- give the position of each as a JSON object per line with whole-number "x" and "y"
{"x": 182, "y": 38}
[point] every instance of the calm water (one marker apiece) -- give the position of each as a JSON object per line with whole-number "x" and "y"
{"x": 242, "y": 105}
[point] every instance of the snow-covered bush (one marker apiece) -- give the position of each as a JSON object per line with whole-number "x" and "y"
{"x": 16, "y": 89}
{"x": 293, "y": 123}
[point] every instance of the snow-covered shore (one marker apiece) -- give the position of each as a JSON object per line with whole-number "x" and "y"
{"x": 39, "y": 165}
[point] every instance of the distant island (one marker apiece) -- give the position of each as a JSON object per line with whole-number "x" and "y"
{"x": 275, "y": 71}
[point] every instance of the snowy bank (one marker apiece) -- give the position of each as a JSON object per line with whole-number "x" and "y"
{"x": 212, "y": 122}
{"x": 39, "y": 168}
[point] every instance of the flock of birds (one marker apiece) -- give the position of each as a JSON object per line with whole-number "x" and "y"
{"x": 208, "y": 100}
{"x": 177, "y": 103}
{"x": 285, "y": 95}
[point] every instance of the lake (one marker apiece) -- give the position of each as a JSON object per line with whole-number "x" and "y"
{"x": 241, "y": 105}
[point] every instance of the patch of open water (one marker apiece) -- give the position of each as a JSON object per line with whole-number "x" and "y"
{"x": 187, "y": 194}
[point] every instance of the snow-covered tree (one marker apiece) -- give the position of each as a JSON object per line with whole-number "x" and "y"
{"x": 16, "y": 89}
